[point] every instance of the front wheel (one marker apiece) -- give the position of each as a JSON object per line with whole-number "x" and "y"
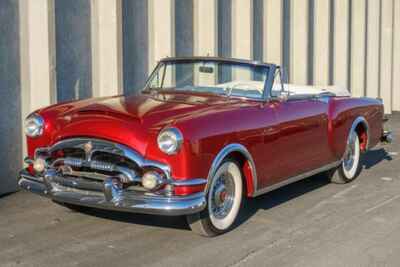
{"x": 350, "y": 167}
{"x": 224, "y": 200}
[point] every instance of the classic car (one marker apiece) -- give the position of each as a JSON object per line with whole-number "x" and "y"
{"x": 204, "y": 134}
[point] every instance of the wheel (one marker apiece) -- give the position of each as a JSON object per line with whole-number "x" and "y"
{"x": 224, "y": 199}
{"x": 350, "y": 167}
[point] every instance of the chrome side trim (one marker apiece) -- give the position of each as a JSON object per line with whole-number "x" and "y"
{"x": 222, "y": 59}
{"x": 25, "y": 174}
{"x": 189, "y": 182}
{"x": 363, "y": 121}
{"x": 225, "y": 152}
{"x": 296, "y": 178}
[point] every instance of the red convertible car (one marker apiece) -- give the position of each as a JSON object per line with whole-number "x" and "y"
{"x": 201, "y": 136}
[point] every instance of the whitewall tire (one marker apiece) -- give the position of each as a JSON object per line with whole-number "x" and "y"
{"x": 224, "y": 199}
{"x": 350, "y": 166}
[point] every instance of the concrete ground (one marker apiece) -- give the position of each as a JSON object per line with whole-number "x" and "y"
{"x": 309, "y": 223}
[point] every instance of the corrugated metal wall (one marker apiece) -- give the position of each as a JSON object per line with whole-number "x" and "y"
{"x": 106, "y": 47}
{"x": 83, "y": 48}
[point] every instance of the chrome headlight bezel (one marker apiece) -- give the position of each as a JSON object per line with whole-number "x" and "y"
{"x": 34, "y": 125}
{"x": 170, "y": 141}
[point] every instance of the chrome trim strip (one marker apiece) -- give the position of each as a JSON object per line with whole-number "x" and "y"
{"x": 221, "y": 59}
{"x": 188, "y": 182}
{"x": 296, "y": 178}
{"x": 221, "y": 156}
{"x": 25, "y": 174}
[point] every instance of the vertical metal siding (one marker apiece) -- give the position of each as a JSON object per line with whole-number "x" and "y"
{"x": 224, "y": 24}
{"x": 258, "y": 29}
{"x": 135, "y": 44}
{"x": 10, "y": 99}
{"x": 73, "y": 49}
{"x": 324, "y": 42}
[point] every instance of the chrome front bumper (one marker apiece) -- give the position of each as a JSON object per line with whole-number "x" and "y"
{"x": 114, "y": 198}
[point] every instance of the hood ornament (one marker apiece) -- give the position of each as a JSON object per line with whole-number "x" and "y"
{"x": 88, "y": 147}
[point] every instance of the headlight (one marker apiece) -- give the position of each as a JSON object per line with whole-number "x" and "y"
{"x": 34, "y": 125}
{"x": 170, "y": 140}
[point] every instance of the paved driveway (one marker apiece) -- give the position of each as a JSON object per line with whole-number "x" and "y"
{"x": 309, "y": 223}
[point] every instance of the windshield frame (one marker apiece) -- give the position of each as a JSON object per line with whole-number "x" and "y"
{"x": 268, "y": 83}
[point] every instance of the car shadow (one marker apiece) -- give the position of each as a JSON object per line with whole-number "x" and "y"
{"x": 6, "y": 194}
{"x": 373, "y": 157}
{"x": 251, "y": 205}
{"x": 282, "y": 195}
{"x": 175, "y": 222}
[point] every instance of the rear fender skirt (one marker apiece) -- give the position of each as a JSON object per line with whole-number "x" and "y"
{"x": 251, "y": 185}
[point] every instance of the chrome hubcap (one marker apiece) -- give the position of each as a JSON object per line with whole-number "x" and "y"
{"x": 348, "y": 160}
{"x": 222, "y": 195}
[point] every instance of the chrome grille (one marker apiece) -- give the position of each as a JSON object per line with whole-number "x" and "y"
{"x": 82, "y": 161}
{"x": 102, "y": 151}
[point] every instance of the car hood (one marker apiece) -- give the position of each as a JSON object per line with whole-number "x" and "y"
{"x": 149, "y": 110}
{"x": 130, "y": 120}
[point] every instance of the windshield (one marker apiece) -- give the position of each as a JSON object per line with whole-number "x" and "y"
{"x": 215, "y": 77}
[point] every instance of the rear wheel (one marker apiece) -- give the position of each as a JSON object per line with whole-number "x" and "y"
{"x": 224, "y": 200}
{"x": 350, "y": 167}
